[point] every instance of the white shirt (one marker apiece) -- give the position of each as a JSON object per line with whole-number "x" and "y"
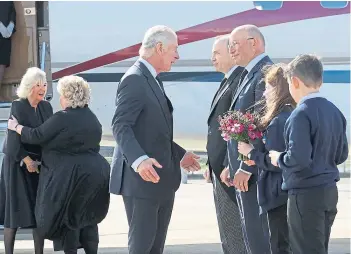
{"x": 227, "y": 75}
{"x": 148, "y": 66}
{"x": 310, "y": 96}
{"x": 151, "y": 69}
{"x": 254, "y": 62}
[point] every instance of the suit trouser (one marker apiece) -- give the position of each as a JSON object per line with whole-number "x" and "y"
{"x": 148, "y": 221}
{"x": 255, "y": 226}
{"x": 229, "y": 223}
{"x": 279, "y": 231}
{"x": 311, "y": 215}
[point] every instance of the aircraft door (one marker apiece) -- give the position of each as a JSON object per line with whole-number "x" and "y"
{"x": 30, "y": 45}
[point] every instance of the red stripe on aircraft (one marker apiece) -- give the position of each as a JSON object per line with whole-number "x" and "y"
{"x": 289, "y": 12}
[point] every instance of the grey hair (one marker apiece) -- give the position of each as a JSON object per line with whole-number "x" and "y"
{"x": 253, "y": 31}
{"x": 155, "y": 35}
{"x": 75, "y": 90}
{"x": 32, "y": 77}
{"x": 308, "y": 68}
{"x": 223, "y": 38}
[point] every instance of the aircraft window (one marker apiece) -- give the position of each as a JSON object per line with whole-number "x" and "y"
{"x": 334, "y": 4}
{"x": 268, "y": 5}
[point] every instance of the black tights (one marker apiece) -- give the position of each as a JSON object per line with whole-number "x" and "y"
{"x": 89, "y": 248}
{"x": 10, "y": 236}
{"x": 88, "y": 238}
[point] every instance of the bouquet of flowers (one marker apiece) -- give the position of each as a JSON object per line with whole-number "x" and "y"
{"x": 240, "y": 127}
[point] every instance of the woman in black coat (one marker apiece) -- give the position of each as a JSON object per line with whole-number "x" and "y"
{"x": 73, "y": 194}
{"x": 19, "y": 174}
{"x": 7, "y": 29}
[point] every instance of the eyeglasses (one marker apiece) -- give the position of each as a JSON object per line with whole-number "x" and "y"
{"x": 234, "y": 43}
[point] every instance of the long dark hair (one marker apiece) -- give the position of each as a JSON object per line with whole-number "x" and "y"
{"x": 279, "y": 96}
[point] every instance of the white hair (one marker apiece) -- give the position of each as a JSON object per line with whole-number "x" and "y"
{"x": 223, "y": 38}
{"x": 75, "y": 90}
{"x": 252, "y": 31}
{"x": 32, "y": 77}
{"x": 155, "y": 35}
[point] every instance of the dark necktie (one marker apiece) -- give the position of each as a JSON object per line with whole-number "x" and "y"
{"x": 242, "y": 77}
{"x": 219, "y": 90}
{"x": 223, "y": 82}
{"x": 160, "y": 85}
{"x": 169, "y": 103}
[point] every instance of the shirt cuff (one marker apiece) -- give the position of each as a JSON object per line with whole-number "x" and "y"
{"x": 244, "y": 171}
{"x": 137, "y": 162}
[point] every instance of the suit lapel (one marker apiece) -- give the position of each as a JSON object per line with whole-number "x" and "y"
{"x": 223, "y": 89}
{"x": 248, "y": 78}
{"x": 241, "y": 87}
{"x": 161, "y": 98}
{"x": 218, "y": 90}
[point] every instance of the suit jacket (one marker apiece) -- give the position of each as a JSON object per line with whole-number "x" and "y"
{"x": 143, "y": 125}
{"x": 216, "y": 146}
{"x": 248, "y": 93}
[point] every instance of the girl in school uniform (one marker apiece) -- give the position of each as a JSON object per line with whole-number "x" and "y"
{"x": 277, "y": 104}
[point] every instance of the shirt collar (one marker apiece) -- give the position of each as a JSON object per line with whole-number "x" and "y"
{"x": 227, "y": 75}
{"x": 254, "y": 61}
{"x": 149, "y": 67}
{"x": 310, "y": 96}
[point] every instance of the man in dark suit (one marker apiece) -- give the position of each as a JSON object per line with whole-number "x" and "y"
{"x": 228, "y": 215}
{"x": 247, "y": 47}
{"x": 143, "y": 128}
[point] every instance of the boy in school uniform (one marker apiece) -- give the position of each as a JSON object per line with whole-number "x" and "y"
{"x": 316, "y": 142}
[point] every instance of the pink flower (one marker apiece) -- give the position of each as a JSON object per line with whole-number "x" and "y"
{"x": 249, "y": 117}
{"x": 251, "y": 127}
{"x": 258, "y": 134}
{"x": 225, "y": 136}
{"x": 251, "y": 134}
{"x": 238, "y": 128}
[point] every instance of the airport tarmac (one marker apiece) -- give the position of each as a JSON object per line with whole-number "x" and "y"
{"x": 193, "y": 228}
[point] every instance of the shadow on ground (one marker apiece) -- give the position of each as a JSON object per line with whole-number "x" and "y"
{"x": 337, "y": 246}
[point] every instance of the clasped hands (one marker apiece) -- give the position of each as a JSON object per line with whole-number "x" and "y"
{"x": 6, "y": 32}
{"x": 241, "y": 179}
{"x": 148, "y": 173}
{"x": 32, "y": 166}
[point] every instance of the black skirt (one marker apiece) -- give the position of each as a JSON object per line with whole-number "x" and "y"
{"x": 18, "y": 189}
{"x": 5, "y": 52}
